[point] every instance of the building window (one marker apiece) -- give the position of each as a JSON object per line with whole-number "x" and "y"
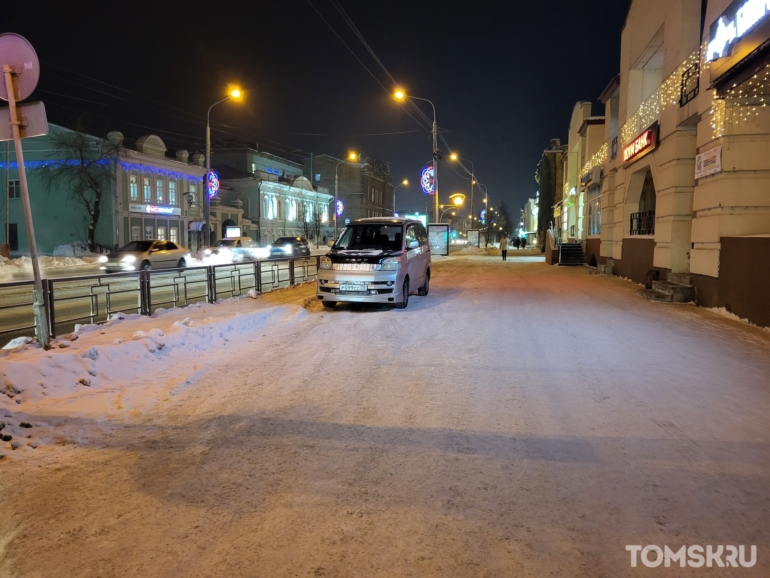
{"x": 174, "y": 233}
{"x": 133, "y": 188}
{"x": 135, "y": 234}
{"x": 14, "y": 190}
{"x": 147, "y": 190}
{"x": 324, "y": 213}
{"x": 172, "y": 193}
{"x": 309, "y": 212}
{"x": 159, "y": 191}
{"x": 162, "y": 233}
{"x": 149, "y": 233}
{"x": 292, "y": 210}
{"x": 594, "y": 211}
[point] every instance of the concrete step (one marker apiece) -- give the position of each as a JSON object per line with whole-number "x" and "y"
{"x": 680, "y": 278}
{"x": 679, "y": 293}
{"x": 652, "y": 295}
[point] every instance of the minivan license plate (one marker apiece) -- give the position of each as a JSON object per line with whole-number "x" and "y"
{"x": 353, "y": 287}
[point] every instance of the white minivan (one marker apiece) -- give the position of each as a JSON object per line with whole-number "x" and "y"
{"x": 376, "y": 260}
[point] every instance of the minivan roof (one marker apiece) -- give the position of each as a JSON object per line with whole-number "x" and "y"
{"x": 385, "y": 220}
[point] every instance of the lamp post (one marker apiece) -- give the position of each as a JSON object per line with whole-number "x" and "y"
{"x": 455, "y": 157}
{"x": 401, "y": 95}
{"x": 351, "y": 158}
{"x": 403, "y": 183}
{"x": 236, "y": 94}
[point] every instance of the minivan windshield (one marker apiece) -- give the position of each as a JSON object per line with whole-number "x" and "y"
{"x": 370, "y": 236}
{"x": 137, "y": 246}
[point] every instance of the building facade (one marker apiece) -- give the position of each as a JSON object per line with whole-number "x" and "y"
{"x": 685, "y": 167}
{"x": 152, "y": 196}
{"x": 275, "y": 198}
{"x": 365, "y": 187}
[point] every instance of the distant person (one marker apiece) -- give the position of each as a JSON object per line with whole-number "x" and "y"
{"x": 517, "y": 243}
{"x": 504, "y": 246}
{"x": 523, "y": 242}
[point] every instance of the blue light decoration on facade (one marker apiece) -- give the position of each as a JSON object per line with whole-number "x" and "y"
{"x": 427, "y": 180}
{"x": 212, "y": 183}
{"x": 340, "y": 207}
{"x": 128, "y": 167}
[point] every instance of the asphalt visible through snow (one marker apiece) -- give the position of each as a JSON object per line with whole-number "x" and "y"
{"x": 521, "y": 420}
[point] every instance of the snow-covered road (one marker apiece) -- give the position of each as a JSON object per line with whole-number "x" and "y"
{"x": 521, "y": 420}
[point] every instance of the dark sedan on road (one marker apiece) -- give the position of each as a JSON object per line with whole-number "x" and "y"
{"x": 289, "y": 247}
{"x": 144, "y": 255}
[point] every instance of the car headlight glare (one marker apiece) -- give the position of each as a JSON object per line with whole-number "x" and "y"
{"x": 207, "y": 252}
{"x": 392, "y": 264}
{"x": 326, "y": 263}
{"x": 287, "y": 249}
{"x": 128, "y": 259}
{"x": 103, "y": 259}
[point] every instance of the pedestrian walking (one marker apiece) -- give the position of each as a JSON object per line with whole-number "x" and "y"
{"x": 517, "y": 242}
{"x": 523, "y": 242}
{"x": 504, "y": 246}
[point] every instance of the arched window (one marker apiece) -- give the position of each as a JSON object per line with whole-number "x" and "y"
{"x": 292, "y": 210}
{"x": 133, "y": 188}
{"x": 276, "y": 207}
{"x": 268, "y": 207}
{"x": 146, "y": 190}
{"x": 172, "y": 193}
{"x": 309, "y": 212}
{"x": 159, "y": 191}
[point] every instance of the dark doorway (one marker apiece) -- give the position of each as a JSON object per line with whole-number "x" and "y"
{"x": 648, "y": 200}
{"x": 13, "y": 236}
{"x": 592, "y": 262}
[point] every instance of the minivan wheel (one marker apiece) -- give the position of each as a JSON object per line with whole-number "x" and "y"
{"x": 329, "y": 304}
{"x": 404, "y": 295}
{"x": 423, "y": 291}
{"x": 146, "y": 266}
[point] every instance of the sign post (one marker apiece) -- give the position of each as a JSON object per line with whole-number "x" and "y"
{"x": 21, "y": 71}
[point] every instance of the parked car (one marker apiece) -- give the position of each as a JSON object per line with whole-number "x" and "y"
{"x": 143, "y": 255}
{"x": 239, "y": 249}
{"x": 289, "y": 247}
{"x": 376, "y": 260}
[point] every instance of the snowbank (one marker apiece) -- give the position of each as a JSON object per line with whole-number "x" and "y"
{"x": 73, "y": 250}
{"x": 20, "y": 269}
{"x": 730, "y": 315}
{"x": 472, "y": 250}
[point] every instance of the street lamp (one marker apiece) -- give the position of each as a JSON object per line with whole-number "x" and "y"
{"x": 401, "y": 95}
{"x": 234, "y": 93}
{"x": 455, "y": 157}
{"x": 352, "y": 157}
{"x": 403, "y": 183}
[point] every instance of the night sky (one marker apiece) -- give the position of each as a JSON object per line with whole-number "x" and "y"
{"x": 504, "y": 76}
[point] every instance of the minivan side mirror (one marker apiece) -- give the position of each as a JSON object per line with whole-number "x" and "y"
{"x": 413, "y": 244}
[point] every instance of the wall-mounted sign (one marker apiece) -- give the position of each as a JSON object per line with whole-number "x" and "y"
{"x": 641, "y": 145}
{"x": 427, "y": 180}
{"x": 340, "y": 207}
{"x": 154, "y": 209}
{"x": 212, "y": 183}
{"x": 742, "y": 28}
{"x": 708, "y": 162}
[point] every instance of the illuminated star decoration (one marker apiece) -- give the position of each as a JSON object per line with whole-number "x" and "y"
{"x": 340, "y": 207}
{"x": 726, "y": 33}
{"x": 212, "y": 183}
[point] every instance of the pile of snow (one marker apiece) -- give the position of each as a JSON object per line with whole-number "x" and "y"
{"x": 473, "y": 250}
{"x": 20, "y": 268}
{"x": 730, "y": 315}
{"x": 73, "y": 250}
{"x": 126, "y": 365}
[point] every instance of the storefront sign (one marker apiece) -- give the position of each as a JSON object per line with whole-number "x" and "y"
{"x": 738, "y": 32}
{"x": 641, "y": 145}
{"x": 154, "y": 209}
{"x": 427, "y": 178}
{"x": 708, "y": 163}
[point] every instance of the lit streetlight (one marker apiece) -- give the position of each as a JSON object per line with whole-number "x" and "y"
{"x": 400, "y": 95}
{"x": 233, "y": 93}
{"x": 404, "y": 183}
{"x": 456, "y": 157}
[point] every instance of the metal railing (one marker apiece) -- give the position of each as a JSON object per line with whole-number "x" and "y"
{"x": 643, "y": 223}
{"x": 95, "y": 298}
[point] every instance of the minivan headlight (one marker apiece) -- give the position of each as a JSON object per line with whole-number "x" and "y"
{"x": 103, "y": 259}
{"x": 128, "y": 259}
{"x": 391, "y": 264}
{"x": 326, "y": 263}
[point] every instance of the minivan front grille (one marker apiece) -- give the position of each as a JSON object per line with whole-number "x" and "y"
{"x": 356, "y": 266}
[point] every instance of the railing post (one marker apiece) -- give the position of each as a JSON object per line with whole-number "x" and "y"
{"x": 49, "y": 306}
{"x": 291, "y": 271}
{"x": 211, "y": 283}
{"x": 144, "y": 293}
{"x": 258, "y": 274}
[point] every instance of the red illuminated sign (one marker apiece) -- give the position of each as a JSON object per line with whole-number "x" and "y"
{"x": 641, "y": 145}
